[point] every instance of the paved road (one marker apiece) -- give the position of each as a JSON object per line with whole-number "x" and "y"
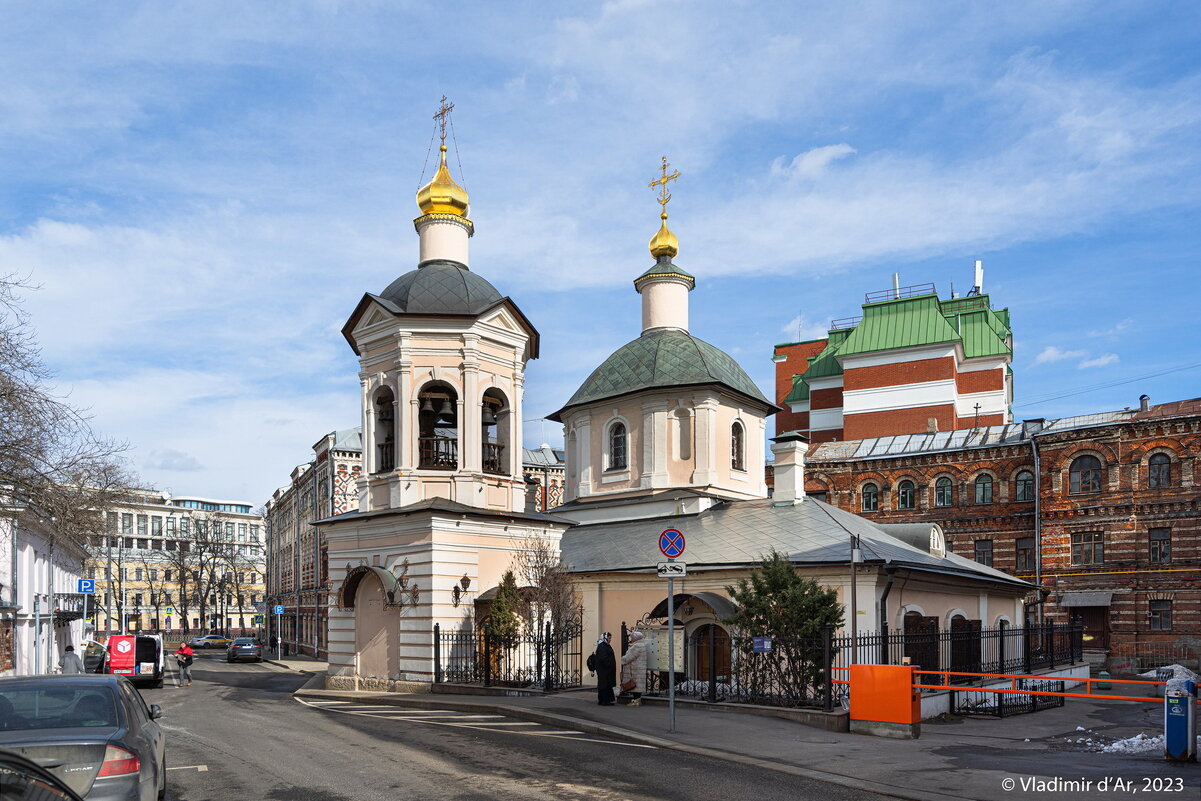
{"x": 237, "y": 733}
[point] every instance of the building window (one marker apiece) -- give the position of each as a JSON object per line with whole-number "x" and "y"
{"x": 942, "y": 492}
{"x": 153, "y": 574}
{"x": 737, "y": 447}
{"x": 1088, "y": 548}
{"x": 1023, "y": 486}
{"x": 1161, "y": 615}
{"x": 126, "y": 523}
{"x": 871, "y": 498}
{"x": 617, "y": 446}
{"x": 983, "y": 553}
{"x": 1025, "y": 555}
{"x": 1086, "y": 474}
{"x": 1159, "y": 471}
{"x": 1161, "y": 545}
{"x": 984, "y": 489}
{"x": 905, "y": 494}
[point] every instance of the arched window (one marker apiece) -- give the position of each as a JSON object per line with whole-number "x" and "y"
{"x": 385, "y": 431}
{"x": 1159, "y": 471}
{"x": 737, "y": 447}
{"x": 984, "y": 489}
{"x": 438, "y": 424}
{"x": 871, "y": 497}
{"x": 942, "y": 492}
{"x": 494, "y": 418}
{"x": 617, "y": 447}
{"x": 905, "y": 494}
{"x": 1023, "y": 486}
{"x": 1086, "y": 474}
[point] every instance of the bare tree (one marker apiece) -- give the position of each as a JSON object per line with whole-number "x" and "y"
{"x": 52, "y": 465}
{"x": 548, "y": 593}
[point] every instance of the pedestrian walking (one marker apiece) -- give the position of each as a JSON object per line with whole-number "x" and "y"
{"x": 633, "y": 669}
{"x": 70, "y": 662}
{"x": 183, "y": 658}
{"x": 606, "y": 670}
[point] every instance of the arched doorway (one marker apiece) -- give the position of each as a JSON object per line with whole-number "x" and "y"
{"x": 710, "y": 647}
{"x": 376, "y": 621}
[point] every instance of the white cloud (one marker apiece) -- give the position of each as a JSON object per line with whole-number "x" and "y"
{"x": 812, "y": 163}
{"x": 803, "y": 329}
{"x": 1114, "y": 330}
{"x": 1054, "y": 354}
{"x": 1100, "y": 361}
{"x": 172, "y": 460}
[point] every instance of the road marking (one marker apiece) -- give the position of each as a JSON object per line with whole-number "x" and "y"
{"x": 447, "y": 718}
{"x": 197, "y": 768}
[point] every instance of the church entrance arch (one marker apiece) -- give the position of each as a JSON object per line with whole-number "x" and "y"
{"x": 710, "y": 646}
{"x": 376, "y": 621}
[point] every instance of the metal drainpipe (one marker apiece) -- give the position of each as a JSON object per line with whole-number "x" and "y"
{"x": 1038, "y": 523}
{"x": 891, "y": 572}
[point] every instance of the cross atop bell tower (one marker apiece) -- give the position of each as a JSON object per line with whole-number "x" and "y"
{"x": 443, "y": 116}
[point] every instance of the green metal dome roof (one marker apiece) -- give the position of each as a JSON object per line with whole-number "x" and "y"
{"x": 663, "y": 357}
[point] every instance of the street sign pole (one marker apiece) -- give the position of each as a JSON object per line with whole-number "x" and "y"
{"x": 279, "y": 632}
{"x": 671, "y": 650}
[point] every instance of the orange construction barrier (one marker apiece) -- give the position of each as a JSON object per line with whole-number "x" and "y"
{"x": 884, "y": 701}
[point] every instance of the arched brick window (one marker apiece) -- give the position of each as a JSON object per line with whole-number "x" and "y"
{"x": 1023, "y": 486}
{"x": 871, "y": 498}
{"x": 984, "y": 488}
{"x": 905, "y": 495}
{"x": 942, "y": 492}
{"x": 1159, "y": 471}
{"x": 1085, "y": 474}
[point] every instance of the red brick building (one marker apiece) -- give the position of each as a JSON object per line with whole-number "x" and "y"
{"x": 912, "y": 363}
{"x": 1100, "y": 510}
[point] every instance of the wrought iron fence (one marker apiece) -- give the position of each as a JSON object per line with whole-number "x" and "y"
{"x": 982, "y": 703}
{"x": 545, "y": 657}
{"x": 784, "y": 672}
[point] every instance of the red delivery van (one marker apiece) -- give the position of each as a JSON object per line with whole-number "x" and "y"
{"x": 137, "y": 657}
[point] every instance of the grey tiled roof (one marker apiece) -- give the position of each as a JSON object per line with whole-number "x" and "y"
{"x": 741, "y": 533}
{"x": 663, "y": 357}
{"x": 441, "y": 287}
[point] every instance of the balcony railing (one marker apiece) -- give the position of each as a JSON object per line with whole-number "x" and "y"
{"x": 439, "y": 453}
{"x": 387, "y": 457}
{"x": 493, "y": 458}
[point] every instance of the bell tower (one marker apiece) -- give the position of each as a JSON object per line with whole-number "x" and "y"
{"x": 442, "y": 358}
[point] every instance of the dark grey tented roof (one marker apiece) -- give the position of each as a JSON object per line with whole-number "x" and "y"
{"x": 663, "y": 357}
{"x": 441, "y": 287}
{"x": 740, "y": 533}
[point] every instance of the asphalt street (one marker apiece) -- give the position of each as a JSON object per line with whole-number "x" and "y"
{"x": 237, "y": 732}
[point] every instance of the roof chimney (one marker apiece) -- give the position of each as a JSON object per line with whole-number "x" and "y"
{"x": 896, "y": 286}
{"x": 789, "y": 450}
{"x": 1144, "y": 403}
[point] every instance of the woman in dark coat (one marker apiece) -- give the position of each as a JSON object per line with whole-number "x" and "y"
{"x": 606, "y": 670}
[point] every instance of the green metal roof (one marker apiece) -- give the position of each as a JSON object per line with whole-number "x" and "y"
{"x": 983, "y": 335}
{"x": 800, "y": 391}
{"x": 904, "y": 323}
{"x": 663, "y": 357}
{"x": 825, "y": 364}
{"x": 664, "y": 268}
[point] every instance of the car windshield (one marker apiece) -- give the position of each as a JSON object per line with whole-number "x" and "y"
{"x": 58, "y": 707}
{"x": 244, "y": 641}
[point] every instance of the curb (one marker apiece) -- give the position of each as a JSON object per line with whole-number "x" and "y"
{"x": 428, "y": 701}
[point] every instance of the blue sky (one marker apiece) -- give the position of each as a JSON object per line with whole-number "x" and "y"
{"x": 204, "y": 191}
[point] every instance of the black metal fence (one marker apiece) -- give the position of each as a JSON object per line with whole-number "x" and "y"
{"x": 784, "y": 672}
{"x": 546, "y": 657}
{"x": 983, "y": 703}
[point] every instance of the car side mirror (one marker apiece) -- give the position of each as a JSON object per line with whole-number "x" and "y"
{"x": 156, "y": 711}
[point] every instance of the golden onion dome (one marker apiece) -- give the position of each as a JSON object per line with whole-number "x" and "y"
{"x": 664, "y": 243}
{"x": 442, "y": 195}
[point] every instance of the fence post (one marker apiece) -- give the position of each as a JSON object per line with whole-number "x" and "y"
{"x": 713, "y": 664}
{"x": 548, "y": 686}
{"x": 1001, "y": 626}
{"x": 828, "y": 668}
{"x": 1026, "y": 647}
{"x": 437, "y": 655}
{"x": 487, "y": 656}
{"x": 1051, "y": 649}
{"x": 884, "y": 642}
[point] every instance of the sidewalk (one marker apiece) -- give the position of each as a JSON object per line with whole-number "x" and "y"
{"x": 959, "y": 759}
{"x": 299, "y": 662}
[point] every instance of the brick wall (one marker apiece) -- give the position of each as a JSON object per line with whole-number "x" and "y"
{"x": 1123, "y": 512}
{"x": 980, "y": 381}
{"x": 825, "y": 398}
{"x": 899, "y": 373}
{"x": 898, "y": 421}
{"x": 795, "y": 361}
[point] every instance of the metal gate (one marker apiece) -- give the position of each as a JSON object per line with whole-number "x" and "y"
{"x": 547, "y": 658}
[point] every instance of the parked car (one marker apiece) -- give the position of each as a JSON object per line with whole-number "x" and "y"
{"x": 138, "y": 658}
{"x": 94, "y": 657}
{"x": 244, "y": 648}
{"x": 211, "y": 641}
{"x": 95, "y": 733}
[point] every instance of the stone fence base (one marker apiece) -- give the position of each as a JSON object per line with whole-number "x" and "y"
{"x": 374, "y": 685}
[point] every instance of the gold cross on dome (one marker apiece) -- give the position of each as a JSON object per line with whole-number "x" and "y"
{"x": 442, "y": 116}
{"x": 661, "y": 182}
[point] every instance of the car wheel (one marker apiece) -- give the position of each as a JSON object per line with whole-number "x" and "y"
{"x": 158, "y": 685}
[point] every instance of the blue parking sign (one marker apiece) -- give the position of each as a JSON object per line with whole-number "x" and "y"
{"x": 279, "y": 610}
{"x": 87, "y": 586}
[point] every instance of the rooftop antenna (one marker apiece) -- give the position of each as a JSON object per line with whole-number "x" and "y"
{"x": 977, "y": 280}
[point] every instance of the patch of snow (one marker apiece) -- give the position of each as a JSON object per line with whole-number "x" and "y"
{"x": 1178, "y": 672}
{"x": 1140, "y": 743}
{"x": 1081, "y": 728}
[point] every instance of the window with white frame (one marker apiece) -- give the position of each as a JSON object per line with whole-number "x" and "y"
{"x": 617, "y": 446}
{"x": 737, "y": 446}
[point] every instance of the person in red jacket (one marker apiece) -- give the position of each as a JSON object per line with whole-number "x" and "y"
{"x": 183, "y": 657}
